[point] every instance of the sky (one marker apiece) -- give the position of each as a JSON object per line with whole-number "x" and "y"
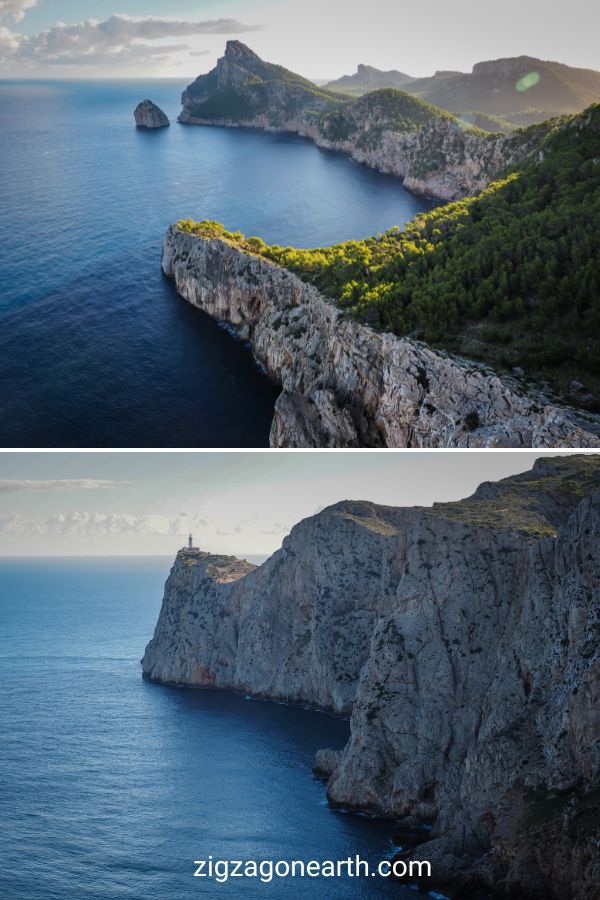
{"x": 86, "y": 504}
{"x": 318, "y": 38}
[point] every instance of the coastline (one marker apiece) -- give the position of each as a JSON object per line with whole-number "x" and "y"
{"x": 346, "y": 385}
{"x": 473, "y": 159}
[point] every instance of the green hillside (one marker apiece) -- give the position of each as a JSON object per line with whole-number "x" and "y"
{"x": 385, "y": 110}
{"x": 511, "y": 276}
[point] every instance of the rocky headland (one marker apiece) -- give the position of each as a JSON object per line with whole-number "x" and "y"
{"x": 346, "y": 385}
{"x": 433, "y": 151}
{"x": 358, "y": 334}
{"x": 463, "y": 641}
{"x": 148, "y": 115}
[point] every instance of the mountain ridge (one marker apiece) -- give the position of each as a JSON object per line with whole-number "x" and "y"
{"x": 518, "y": 90}
{"x": 434, "y": 151}
{"x": 368, "y": 78}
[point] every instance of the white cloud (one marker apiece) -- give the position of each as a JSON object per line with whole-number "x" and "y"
{"x": 119, "y": 40}
{"x": 101, "y": 524}
{"x": 15, "y": 9}
{"x": 97, "y": 524}
{"x": 10, "y": 485}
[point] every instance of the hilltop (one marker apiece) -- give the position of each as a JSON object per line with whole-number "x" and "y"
{"x": 242, "y": 86}
{"x": 368, "y": 78}
{"x": 497, "y": 94}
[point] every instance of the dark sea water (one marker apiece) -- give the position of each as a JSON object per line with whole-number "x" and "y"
{"x": 110, "y": 787}
{"x": 96, "y": 348}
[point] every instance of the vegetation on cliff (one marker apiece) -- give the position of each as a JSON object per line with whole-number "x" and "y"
{"x": 510, "y": 276}
{"x": 387, "y": 110}
{"x": 498, "y": 95}
{"x": 244, "y": 88}
{"x": 532, "y": 504}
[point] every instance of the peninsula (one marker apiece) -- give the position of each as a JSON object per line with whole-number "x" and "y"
{"x": 504, "y": 278}
{"x": 462, "y": 640}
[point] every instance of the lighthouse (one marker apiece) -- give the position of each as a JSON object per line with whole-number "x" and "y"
{"x": 190, "y": 543}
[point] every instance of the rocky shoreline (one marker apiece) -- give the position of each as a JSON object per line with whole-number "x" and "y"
{"x": 471, "y": 161}
{"x": 462, "y": 640}
{"x": 345, "y": 385}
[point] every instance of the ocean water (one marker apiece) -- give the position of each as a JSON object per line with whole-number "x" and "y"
{"x": 96, "y": 348}
{"x": 110, "y": 787}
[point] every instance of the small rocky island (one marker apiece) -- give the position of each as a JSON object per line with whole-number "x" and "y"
{"x": 148, "y": 115}
{"x": 462, "y": 639}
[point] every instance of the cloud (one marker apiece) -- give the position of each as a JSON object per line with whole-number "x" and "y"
{"x": 15, "y": 9}
{"x": 57, "y": 484}
{"x": 119, "y": 40}
{"x": 96, "y": 524}
{"x": 99, "y": 524}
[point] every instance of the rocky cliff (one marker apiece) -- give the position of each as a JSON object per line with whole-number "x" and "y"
{"x": 433, "y": 151}
{"x": 148, "y": 115}
{"x": 345, "y": 385}
{"x": 464, "y": 641}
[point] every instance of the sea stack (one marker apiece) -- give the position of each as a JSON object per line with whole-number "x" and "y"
{"x": 148, "y": 115}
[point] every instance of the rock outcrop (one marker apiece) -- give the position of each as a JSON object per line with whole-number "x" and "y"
{"x": 345, "y": 385}
{"x": 433, "y": 151}
{"x": 463, "y": 639}
{"x": 148, "y": 115}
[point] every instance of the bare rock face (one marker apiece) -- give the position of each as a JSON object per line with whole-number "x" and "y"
{"x": 148, "y": 115}
{"x": 464, "y": 641}
{"x": 345, "y": 385}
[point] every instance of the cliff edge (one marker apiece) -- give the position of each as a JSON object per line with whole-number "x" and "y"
{"x": 346, "y": 385}
{"x": 463, "y": 640}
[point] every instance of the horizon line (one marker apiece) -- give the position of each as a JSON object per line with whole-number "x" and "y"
{"x": 121, "y": 555}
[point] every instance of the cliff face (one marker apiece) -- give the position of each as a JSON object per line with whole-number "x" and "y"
{"x": 434, "y": 152}
{"x": 441, "y": 158}
{"x": 345, "y": 385}
{"x": 464, "y": 638}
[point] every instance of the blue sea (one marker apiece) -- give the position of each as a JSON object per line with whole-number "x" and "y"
{"x": 96, "y": 348}
{"x": 111, "y": 787}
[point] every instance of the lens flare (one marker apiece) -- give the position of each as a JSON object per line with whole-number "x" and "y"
{"x": 528, "y": 81}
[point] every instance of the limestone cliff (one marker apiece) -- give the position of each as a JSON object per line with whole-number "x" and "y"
{"x": 464, "y": 640}
{"x": 148, "y": 115}
{"x": 345, "y": 385}
{"x": 432, "y": 150}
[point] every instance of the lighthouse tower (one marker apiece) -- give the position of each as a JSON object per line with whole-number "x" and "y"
{"x": 190, "y": 543}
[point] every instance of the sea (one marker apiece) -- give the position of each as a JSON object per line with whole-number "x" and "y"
{"x": 96, "y": 347}
{"x": 111, "y": 787}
